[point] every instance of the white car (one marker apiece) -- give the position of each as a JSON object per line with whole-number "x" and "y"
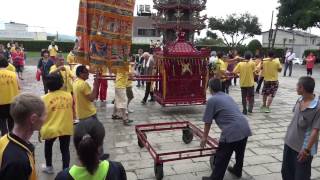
{"x": 297, "y": 61}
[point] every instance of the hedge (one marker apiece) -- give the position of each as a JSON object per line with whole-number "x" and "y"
{"x": 38, "y": 45}
{"x": 67, "y": 46}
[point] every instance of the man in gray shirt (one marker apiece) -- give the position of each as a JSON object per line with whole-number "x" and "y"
{"x": 301, "y": 141}
{"x": 235, "y": 131}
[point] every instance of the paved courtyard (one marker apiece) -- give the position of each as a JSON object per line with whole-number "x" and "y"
{"x": 264, "y": 149}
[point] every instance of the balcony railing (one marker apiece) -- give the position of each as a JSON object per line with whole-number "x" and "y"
{"x": 190, "y": 4}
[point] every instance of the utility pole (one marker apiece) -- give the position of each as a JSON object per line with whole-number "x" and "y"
{"x": 274, "y": 36}
{"x": 270, "y": 32}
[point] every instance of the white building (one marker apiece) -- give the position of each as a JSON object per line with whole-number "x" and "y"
{"x": 298, "y": 40}
{"x": 143, "y": 30}
{"x": 17, "y": 31}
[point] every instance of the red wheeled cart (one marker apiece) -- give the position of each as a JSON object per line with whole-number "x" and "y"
{"x": 188, "y": 131}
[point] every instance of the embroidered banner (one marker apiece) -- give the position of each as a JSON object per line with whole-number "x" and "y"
{"x": 104, "y": 32}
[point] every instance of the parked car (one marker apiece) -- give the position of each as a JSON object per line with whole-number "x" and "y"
{"x": 298, "y": 61}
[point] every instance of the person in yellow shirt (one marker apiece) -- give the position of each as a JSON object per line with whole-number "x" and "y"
{"x": 260, "y": 79}
{"x": 129, "y": 91}
{"x": 84, "y": 97}
{"x": 220, "y": 72}
{"x": 271, "y": 66}
{"x": 59, "y": 121}
{"x": 121, "y": 100}
{"x": 64, "y": 71}
{"x": 53, "y": 50}
{"x": 246, "y": 70}
{"x": 71, "y": 60}
{"x": 9, "y": 88}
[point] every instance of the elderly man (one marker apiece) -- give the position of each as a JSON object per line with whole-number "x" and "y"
{"x": 301, "y": 140}
{"x": 148, "y": 70}
{"x": 234, "y": 127}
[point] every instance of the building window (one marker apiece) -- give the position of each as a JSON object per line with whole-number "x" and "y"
{"x": 313, "y": 41}
{"x": 141, "y": 8}
{"x": 141, "y": 32}
{"x": 147, "y": 9}
{"x": 291, "y": 41}
{"x": 147, "y": 32}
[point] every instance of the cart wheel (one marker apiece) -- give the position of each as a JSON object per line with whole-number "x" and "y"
{"x": 139, "y": 141}
{"x": 187, "y": 135}
{"x": 158, "y": 171}
{"x": 212, "y": 158}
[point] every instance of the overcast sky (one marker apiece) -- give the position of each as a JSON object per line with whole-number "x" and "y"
{"x": 61, "y": 15}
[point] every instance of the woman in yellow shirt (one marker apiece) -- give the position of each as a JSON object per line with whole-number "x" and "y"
{"x": 64, "y": 71}
{"x": 9, "y": 88}
{"x": 59, "y": 121}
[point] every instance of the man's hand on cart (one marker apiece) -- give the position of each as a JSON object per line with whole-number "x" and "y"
{"x": 205, "y": 135}
{"x": 203, "y": 142}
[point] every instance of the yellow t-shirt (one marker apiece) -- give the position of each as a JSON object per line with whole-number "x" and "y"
{"x": 67, "y": 77}
{"x": 53, "y": 50}
{"x": 129, "y": 82}
{"x": 71, "y": 59}
{"x": 221, "y": 68}
{"x": 121, "y": 80}
{"x": 13, "y": 49}
{"x": 84, "y": 107}
{"x": 59, "y": 120}
{"x": 11, "y": 67}
{"x": 246, "y": 70}
{"x": 271, "y": 69}
{"x": 9, "y": 87}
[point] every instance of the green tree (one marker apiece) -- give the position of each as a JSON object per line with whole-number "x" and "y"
{"x": 254, "y": 45}
{"x": 211, "y": 40}
{"x": 299, "y": 13}
{"x": 236, "y": 28}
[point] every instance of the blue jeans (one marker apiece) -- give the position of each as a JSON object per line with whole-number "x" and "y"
{"x": 286, "y": 66}
{"x": 292, "y": 169}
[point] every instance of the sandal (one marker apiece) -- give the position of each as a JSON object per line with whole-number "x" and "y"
{"x": 116, "y": 117}
{"x": 127, "y": 122}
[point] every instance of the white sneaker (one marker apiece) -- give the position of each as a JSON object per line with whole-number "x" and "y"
{"x": 130, "y": 111}
{"x": 76, "y": 121}
{"x": 47, "y": 170}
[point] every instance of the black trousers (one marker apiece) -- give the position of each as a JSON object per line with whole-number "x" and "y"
{"x": 292, "y": 169}
{"x": 223, "y": 156}
{"x": 309, "y": 71}
{"x": 225, "y": 86}
{"x": 64, "y": 148}
{"x": 260, "y": 81}
{"x": 247, "y": 94}
{"x": 44, "y": 82}
{"x": 147, "y": 92}
{"x": 287, "y": 65}
{"x": 6, "y": 121}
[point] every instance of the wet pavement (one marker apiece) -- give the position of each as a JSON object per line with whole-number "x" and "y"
{"x": 264, "y": 149}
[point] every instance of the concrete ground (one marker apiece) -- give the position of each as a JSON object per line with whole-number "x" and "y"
{"x": 264, "y": 149}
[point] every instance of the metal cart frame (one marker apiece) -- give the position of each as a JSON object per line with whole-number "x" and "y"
{"x": 188, "y": 131}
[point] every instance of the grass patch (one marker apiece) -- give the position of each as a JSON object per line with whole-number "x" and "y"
{"x": 34, "y": 56}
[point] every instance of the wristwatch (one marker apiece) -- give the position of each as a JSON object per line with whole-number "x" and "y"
{"x": 307, "y": 151}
